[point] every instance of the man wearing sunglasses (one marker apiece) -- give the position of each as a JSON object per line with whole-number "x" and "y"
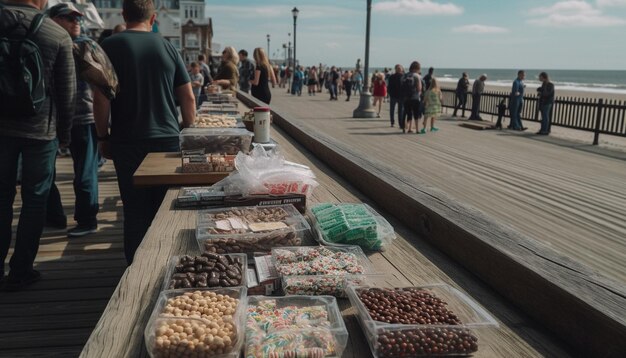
{"x": 84, "y": 143}
{"x": 35, "y": 138}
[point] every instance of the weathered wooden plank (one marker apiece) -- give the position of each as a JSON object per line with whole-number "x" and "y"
{"x": 566, "y": 297}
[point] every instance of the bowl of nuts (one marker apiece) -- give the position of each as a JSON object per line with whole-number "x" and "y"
{"x": 198, "y": 323}
{"x": 419, "y": 321}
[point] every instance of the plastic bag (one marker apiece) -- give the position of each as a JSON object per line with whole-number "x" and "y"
{"x": 94, "y": 67}
{"x": 267, "y": 172}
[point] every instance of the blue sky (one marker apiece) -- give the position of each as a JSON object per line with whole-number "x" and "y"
{"x": 544, "y": 34}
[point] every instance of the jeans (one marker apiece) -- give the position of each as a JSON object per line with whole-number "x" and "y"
{"x": 140, "y": 204}
{"x": 475, "y": 106}
{"x": 358, "y": 87}
{"x": 459, "y": 102}
{"x": 84, "y": 150}
{"x": 515, "y": 109}
{"x": 545, "y": 117}
{"x": 38, "y": 157}
{"x": 393, "y": 101}
{"x": 333, "y": 90}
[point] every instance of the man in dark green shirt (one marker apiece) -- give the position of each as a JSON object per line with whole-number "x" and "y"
{"x": 144, "y": 118}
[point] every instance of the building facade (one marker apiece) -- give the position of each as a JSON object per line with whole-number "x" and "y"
{"x": 182, "y": 22}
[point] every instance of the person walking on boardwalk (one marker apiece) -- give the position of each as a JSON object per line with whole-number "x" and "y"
{"x": 432, "y": 105}
{"x": 246, "y": 71}
{"x": 347, "y": 83}
{"x": 84, "y": 143}
{"x": 263, "y": 74}
{"x": 516, "y": 102}
{"x": 546, "y": 100}
{"x": 313, "y": 81}
{"x": 331, "y": 79}
{"x": 29, "y": 130}
{"x": 144, "y": 118}
{"x": 461, "y": 93}
{"x": 357, "y": 81}
{"x": 380, "y": 91}
{"x": 196, "y": 81}
{"x": 394, "y": 90}
{"x": 411, "y": 92}
{"x": 298, "y": 80}
{"x": 477, "y": 91}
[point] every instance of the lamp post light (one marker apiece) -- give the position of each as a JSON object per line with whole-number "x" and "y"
{"x": 365, "y": 108}
{"x": 268, "y": 44}
{"x": 295, "y": 13}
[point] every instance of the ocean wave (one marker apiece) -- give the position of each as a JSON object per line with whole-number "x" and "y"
{"x": 568, "y": 86}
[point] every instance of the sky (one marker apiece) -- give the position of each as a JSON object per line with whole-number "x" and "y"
{"x": 539, "y": 34}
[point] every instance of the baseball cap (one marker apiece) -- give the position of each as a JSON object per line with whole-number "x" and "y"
{"x": 64, "y": 8}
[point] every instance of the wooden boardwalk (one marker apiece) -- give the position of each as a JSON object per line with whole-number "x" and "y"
{"x": 568, "y": 195}
{"x": 54, "y": 317}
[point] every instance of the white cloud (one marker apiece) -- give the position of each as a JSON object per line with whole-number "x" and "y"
{"x": 574, "y": 13}
{"x": 609, "y": 3}
{"x": 417, "y": 7}
{"x": 480, "y": 29}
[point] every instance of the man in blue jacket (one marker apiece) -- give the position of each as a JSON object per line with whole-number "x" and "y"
{"x": 517, "y": 102}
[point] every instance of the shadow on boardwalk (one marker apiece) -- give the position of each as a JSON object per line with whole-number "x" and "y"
{"x": 54, "y": 317}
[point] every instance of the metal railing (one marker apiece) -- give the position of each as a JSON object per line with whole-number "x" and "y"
{"x": 589, "y": 114}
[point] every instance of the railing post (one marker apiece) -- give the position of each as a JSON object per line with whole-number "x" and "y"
{"x": 464, "y": 103}
{"x": 596, "y": 134}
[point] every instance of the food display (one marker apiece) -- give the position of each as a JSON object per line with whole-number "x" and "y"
{"x": 295, "y": 326}
{"x": 216, "y": 121}
{"x": 220, "y": 108}
{"x": 250, "y": 229}
{"x": 320, "y": 270}
{"x": 208, "y": 163}
{"x": 207, "y": 270}
{"x": 216, "y": 140}
{"x": 197, "y": 323}
{"x": 199, "y": 196}
{"x": 419, "y": 321}
{"x": 351, "y": 224}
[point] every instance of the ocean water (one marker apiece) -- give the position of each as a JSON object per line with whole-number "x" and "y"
{"x": 575, "y": 80}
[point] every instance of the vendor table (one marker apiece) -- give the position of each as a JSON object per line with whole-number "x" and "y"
{"x": 165, "y": 169}
{"x": 408, "y": 261}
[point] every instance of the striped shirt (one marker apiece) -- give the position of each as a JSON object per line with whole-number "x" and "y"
{"x": 55, "y": 46}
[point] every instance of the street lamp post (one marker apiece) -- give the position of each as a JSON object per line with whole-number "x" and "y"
{"x": 268, "y": 44}
{"x": 365, "y": 108}
{"x": 295, "y": 13}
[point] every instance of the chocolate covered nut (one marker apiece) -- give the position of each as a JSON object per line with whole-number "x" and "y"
{"x": 202, "y": 271}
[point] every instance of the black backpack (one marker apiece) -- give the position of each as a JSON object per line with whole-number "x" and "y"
{"x": 408, "y": 85}
{"x": 22, "y": 88}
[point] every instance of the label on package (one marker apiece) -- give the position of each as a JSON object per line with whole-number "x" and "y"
{"x": 265, "y": 268}
{"x": 270, "y": 226}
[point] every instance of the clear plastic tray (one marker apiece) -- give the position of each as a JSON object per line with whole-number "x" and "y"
{"x": 382, "y": 336}
{"x": 171, "y": 268}
{"x": 157, "y": 348}
{"x": 352, "y": 233}
{"x": 319, "y": 283}
{"x": 251, "y": 237}
{"x": 216, "y": 140}
{"x": 321, "y": 330}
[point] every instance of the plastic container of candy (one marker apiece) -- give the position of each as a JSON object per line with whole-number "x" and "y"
{"x": 294, "y": 326}
{"x": 216, "y": 140}
{"x": 250, "y": 229}
{"x": 206, "y": 271}
{"x": 392, "y": 320}
{"x": 351, "y": 224}
{"x": 321, "y": 270}
{"x": 172, "y": 331}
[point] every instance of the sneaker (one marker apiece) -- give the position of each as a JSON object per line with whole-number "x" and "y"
{"x": 433, "y": 129}
{"x": 82, "y": 230}
{"x": 18, "y": 283}
{"x": 423, "y": 131}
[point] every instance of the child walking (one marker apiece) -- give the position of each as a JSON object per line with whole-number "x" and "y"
{"x": 432, "y": 105}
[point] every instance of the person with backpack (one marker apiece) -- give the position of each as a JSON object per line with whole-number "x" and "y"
{"x": 411, "y": 92}
{"x": 28, "y": 127}
{"x": 246, "y": 71}
{"x": 144, "y": 117}
{"x": 84, "y": 143}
